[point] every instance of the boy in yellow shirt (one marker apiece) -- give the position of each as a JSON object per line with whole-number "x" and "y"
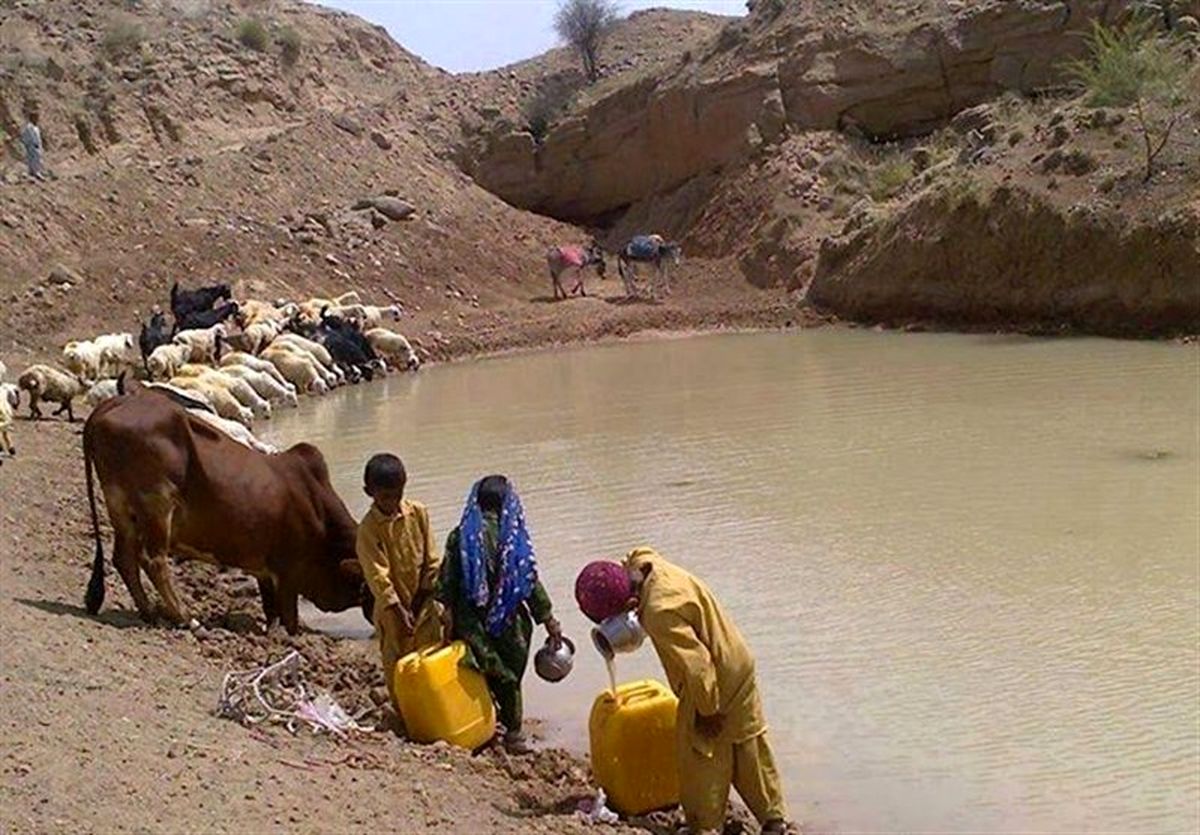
{"x": 400, "y": 563}
{"x": 721, "y": 737}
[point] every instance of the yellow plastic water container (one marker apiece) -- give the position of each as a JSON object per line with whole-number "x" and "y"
{"x": 441, "y": 699}
{"x": 633, "y": 746}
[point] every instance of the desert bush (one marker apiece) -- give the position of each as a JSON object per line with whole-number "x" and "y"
{"x": 544, "y": 107}
{"x": 1138, "y": 68}
{"x": 889, "y": 178}
{"x": 252, "y": 34}
{"x": 122, "y": 38}
{"x": 881, "y": 179}
{"x": 290, "y": 45}
{"x": 584, "y": 25}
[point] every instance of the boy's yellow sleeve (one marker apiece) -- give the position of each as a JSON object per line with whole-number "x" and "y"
{"x": 374, "y": 562}
{"x": 431, "y": 561}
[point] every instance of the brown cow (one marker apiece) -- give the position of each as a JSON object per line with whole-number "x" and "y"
{"x": 176, "y": 485}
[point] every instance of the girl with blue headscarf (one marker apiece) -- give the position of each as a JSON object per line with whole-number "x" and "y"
{"x": 489, "y": 585}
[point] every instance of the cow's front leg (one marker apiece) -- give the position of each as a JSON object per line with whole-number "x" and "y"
{"x": 288, "y": 602}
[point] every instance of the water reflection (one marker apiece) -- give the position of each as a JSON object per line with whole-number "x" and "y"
{"x": 968, "y": 574}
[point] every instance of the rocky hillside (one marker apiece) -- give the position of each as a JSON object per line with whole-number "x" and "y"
{"x": 787, "y": 138}
{"x": 182, "y": 149}
{"x": 795, "y": 150}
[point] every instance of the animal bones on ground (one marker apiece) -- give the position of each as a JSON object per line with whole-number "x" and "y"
{"x": 279, "y": 693}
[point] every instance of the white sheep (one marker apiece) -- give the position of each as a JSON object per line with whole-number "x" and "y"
{"x": 234, "y": 430}
{"x": 203, "y": 343}
{"x": 332, "y": 376}
{"x": 84, "y": 359}
{"x": 165, "y": 360}
{"x": 258, "y": 336}
{"x": 225, "y": 404}
{"x": 242, "y": 390}
{"x": 53, "y": 385}
{"x": 298, "y": 368}
{"x": 10, "y": 399}
{"x": 256, "y": 363}
{"x": 367, "y": 316}
{"x": 264, "y": 384}
{"x": 118, "y": 352}
{"x": 101, "y": 391}
{"x": 253, "y": 311}
{"x": 315, "y": 348}
{"x": 393, "y": 346}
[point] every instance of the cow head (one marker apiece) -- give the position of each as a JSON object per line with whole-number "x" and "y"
{"x": 351, "y": 577}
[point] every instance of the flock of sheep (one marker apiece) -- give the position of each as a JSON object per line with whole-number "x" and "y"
{"x": 228, "y": 362}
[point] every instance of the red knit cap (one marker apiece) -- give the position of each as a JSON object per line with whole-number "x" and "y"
{"x": 602, "y": 589}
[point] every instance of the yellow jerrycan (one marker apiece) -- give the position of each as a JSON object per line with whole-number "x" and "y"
{"x": 441, "y": 699}
{"x": 633, "y": 746}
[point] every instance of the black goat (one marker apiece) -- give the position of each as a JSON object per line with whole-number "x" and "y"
{"x": 349, "y": 348}
{"x": 185, "y": 302}
{"x": 154, "y": 333}
{"x": 206, "y": 318}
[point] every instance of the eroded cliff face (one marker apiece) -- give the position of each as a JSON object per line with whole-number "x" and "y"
{"x": 763, "y": 79}
{"x": 965, "y": 255}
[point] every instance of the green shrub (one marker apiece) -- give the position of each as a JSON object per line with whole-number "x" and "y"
{"x": 887, "y": 179}
{"x": 290, "y": 44}
{"x": 122, "y": 38}
{"x": 546, "y": 106}
{"x": 252, "y": 34}
{"x": 1137, "y": 68}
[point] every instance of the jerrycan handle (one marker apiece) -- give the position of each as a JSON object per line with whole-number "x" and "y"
{"x": 641, "y": 694}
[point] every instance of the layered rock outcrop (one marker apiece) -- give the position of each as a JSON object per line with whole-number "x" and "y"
{"x": 756, "y": 85}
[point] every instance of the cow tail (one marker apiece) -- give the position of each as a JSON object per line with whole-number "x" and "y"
{"x": 94, "y": 598}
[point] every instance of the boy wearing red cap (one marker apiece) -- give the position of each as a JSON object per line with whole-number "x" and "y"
{"x": 721, "y": 733}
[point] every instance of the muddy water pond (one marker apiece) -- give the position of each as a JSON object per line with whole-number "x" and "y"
{"x": 968, "y": 566}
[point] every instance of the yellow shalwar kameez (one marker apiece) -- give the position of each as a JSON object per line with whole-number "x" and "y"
{"x": 711, "y": 671}
{"x": 401, "y": 565}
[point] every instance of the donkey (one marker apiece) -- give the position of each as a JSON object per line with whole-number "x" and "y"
{"x": 563, "y": 258}
{"x": 651, "y": 249}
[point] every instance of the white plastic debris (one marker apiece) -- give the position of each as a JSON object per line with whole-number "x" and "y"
{"x": 279, "y": 693}
{"x": 596, "y": 810}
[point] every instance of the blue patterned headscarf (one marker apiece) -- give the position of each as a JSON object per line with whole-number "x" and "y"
{"x": 517, "y": 564}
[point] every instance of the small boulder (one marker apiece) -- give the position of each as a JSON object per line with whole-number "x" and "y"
{"x": 63, "y": 275}
{"x": 343, "y": 122}
{"x": 973, "y": 118}
{"x": 393, "y": 208}
{"x": 381, "y": 141}
{"x": 1059, "y": 134}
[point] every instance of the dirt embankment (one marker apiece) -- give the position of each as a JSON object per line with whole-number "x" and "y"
{"x": 1006, "y": 259}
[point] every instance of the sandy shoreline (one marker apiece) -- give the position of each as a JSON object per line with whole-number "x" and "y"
{"x": 131, "y": 706}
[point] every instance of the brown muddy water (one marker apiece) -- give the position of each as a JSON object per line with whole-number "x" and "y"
{"x": 968, "y": 566}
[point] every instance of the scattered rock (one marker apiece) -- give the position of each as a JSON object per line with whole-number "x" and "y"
{"x": 63, "y": 275}
{"x": 1058, "y": 136}
{"x": 973, "y": 118}
{"x": 382, "y": 141}
{"x": 347, "y": 124}
{"x": 1074, "y": 162}
{"x": 1099, "y": 118}
{"x": 393, "y": 208}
